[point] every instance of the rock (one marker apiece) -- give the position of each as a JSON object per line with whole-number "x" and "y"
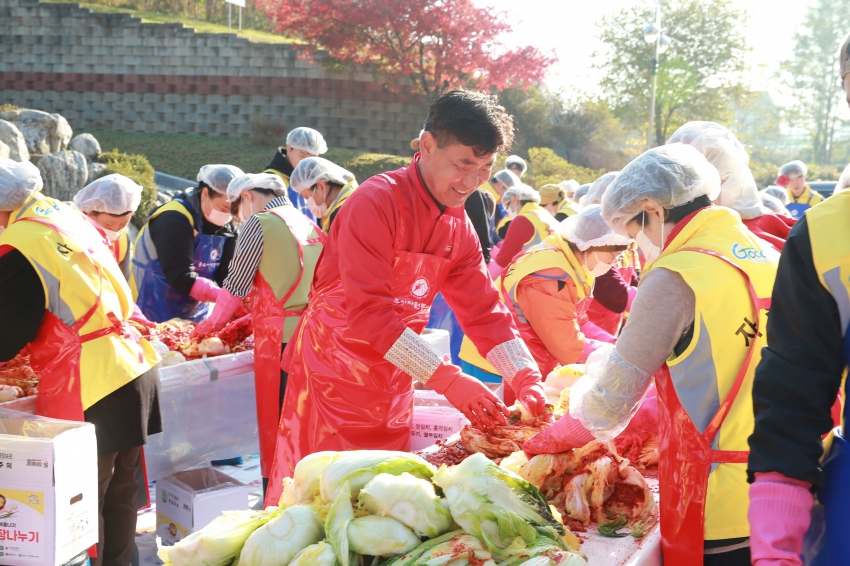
{"x": 64, "y": 173}
{"x": 5, "y": 151}
{"x": 87, "y": 145}
{"x": 95, "y": 170}
{"x": 44, "y": 133}
{"x": 12, "y": 137}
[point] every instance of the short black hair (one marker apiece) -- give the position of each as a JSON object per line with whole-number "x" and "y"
{"x": 473, "y": 119}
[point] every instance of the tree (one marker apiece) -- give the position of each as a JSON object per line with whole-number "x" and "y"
{"x": 434, "y": 43}
{"x": 813, "y": 73}
{"x": 698, "y": 77}
{"x": 544, "y": 166}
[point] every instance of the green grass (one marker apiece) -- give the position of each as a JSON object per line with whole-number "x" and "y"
{"x": 183, "y": 154}
{"x": 202, "y": 26}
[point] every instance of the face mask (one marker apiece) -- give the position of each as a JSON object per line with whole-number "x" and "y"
{"x": 317, "y": 210}
{"x": 600, "y": 268}
{"x": 112, "y": 235}
{"x": 650, "y": 250}
{"x": 510, "y": 210}
{"x": 214, "y": 216}
{"x": 242, "y": 215}
{"x": 2, "y": 229}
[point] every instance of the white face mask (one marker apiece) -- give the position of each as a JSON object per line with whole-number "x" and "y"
{"x": 112, "y": 235}
{"x": 317, "y": 210}
{"x": 650, "y": 250}
{"x": 600, "y": 268}
{"x": 214, "y": 216}
{"x": 242, "y": 216}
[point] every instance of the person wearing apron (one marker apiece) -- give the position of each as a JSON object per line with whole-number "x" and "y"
{"x": 357, "y": 351}
{"x": 276, "y": 255}
{"x": 301, "y": 143}
{"x": 801, "y": 197}
{"x": 804, "y": 365}
{"x": 697, "y": 326}
{"x": 71, "y": 309}
{"x": 325, "y": 185}
{"x": 182, "y": 254}
{"x": 530, "y": 224}
{"x": 110, "y": 202}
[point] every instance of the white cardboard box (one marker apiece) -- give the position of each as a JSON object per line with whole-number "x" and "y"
{"x": 48, "y": 485}
{"x": 188, "y": 501}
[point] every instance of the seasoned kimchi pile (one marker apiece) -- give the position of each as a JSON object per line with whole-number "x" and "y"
{"x": 17, "y": 378}
{"x": 175, "y": 336}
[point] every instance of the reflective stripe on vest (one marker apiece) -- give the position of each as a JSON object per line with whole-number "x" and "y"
{"x": 73, "y": 278}
{"x": 544, "y": 223}
{"x": 144, "y": 251}
{"x": 724, "y": 330}
{"x": 829, "y": 233}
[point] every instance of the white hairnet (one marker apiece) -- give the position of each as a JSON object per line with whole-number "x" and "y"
{"x": 218, "y": 176}
{"x": 522, "y": 193}
{"x": 794, "y": 169}
{"x": 18, "y": 181}
{"x": 307, "y": 139}
{"x": 843, "y": 182}
{"x": 588, "y": 229}
{"x": 773, "y": 204}
{"x": 778, "y": 193}
{"x": 251, "y": 181}
{"x": 507, "y": 178}
{"x": 597, "y": 189}
{"x": 516, "y": 160}
{"x": 670, "y": 176}
{"x": 115, "y": 194}
{"x": 581, "y": 192}
{"x": 310, "y": 171}
{"x": 570, "y": 186}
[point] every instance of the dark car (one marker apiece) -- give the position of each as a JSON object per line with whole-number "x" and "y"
{"x": 825, "y": 188}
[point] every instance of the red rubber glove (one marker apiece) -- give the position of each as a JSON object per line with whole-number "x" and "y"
{"x": 567, "y": 433}
{"x": 469, "y": 396}
{"x": 204, "y": 290}
{"x": 139, "y": 318}
{"x": 529, "y": 391}
{"x": 779, "y": 514}
{"x": 225, "y": 307}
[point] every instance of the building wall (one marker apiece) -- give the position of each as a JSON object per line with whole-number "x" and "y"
{"x": 110, "y": 71}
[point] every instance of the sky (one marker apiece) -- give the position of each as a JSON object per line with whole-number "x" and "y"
{"x": 570, "y": 28}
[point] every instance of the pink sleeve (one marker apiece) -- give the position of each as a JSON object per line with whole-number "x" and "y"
{"x": 520, "y": 231}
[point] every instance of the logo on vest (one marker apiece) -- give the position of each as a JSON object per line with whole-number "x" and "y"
{"x": 755, "y": 255}
{"x": 214, "y": 254}
{"x": 420, "y": 288}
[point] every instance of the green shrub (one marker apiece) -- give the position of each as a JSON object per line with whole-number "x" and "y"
{"x": 545, "y": 166}
{"x": 365, "y": 165}
{"x": 267, "y": 131}
{"x": 7, "y": 107}
{"x": 137, "y": 168}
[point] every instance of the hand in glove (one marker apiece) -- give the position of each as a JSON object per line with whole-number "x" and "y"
{"x": 225, "y": 307}
{"x": 204, "y": 290}
{"x": 566, "y": 434}
{"x": 779, "y": 514}
{"x": 469, "y": 396}
{"x": 529, "y": 391}
{"x": 140, "y": 319}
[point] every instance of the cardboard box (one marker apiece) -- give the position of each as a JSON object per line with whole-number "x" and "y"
{"x": 48, "y": 489}
{"x": 186, "y": 502}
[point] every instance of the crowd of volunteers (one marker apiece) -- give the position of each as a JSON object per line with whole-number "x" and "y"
{"x": 659, "y": 277}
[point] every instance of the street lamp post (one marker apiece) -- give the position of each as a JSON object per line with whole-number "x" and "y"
{"x": 652, "y": 34}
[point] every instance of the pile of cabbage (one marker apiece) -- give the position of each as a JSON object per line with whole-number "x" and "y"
{"x": 371, "y": 507}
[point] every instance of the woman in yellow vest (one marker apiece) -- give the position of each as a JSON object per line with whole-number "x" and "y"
{"x": 548, "y": 289}
{"x": 276, "y": 253}
{"x": 697, "y": 325}
{"x": 63, "y": 297}
{"x": 111, "y": 202}
{"x": 530, "y": 224}
{"x": 554, "y": 199}
{"x": 325, "y": 185}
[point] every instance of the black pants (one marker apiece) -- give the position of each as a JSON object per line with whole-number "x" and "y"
{"x": 118, "y": 503}
{"x": 739, "y": 557}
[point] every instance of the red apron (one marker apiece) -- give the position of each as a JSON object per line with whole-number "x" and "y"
{"x": 686, "y": 455}
{"x": 341, "y": 394}
{"x": 267, "y": 316}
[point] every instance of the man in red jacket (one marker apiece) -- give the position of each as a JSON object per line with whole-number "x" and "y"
{"x": 401, "y": 238}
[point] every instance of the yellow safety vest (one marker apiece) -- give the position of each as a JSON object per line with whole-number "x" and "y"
{"x": 554, "y": 252}
{"x": 808, "y": 196}
{"x": 347, "y": 191}
{"x": 279, "y": 174}
{"x": 568, "y": 207}
{"x": 829, "y": 233}
{"x": 136, "y": 278}
{"x": 280, "y": 258}
{"x": 544, "y": 223}
{"x": 489, "y": 188}
{"x": 123, "y": 255}
{"x": 723, "y": 330}
{"x": 72, "y": 283}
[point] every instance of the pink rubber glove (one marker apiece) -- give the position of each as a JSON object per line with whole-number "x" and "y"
{"x": 590, "y": 330}
{"x": 139, "y": 318}
{"x": 225, "y": 307}
{"x": 469, "y": 396}
{"x": 204, "y": 290}
{"x": 567, "y": 433}
{"x": 590, "y": 346}
{"x": 494, "y": 269}
{"x": 529, "y": 391}
{"x": 632, "y": 294}
{"x": 779, "y": 514}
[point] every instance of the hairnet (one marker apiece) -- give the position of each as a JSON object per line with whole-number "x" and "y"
{"x": 307, "y": 139}
{"x": 778, "y": 193}
{"x": 570, "y": 187}
{"x": 507, "y": 178}
{"x": 516, "y": 160}
{"x": 581, "y": 192}
{"x": 670, "y": 176}
{"x": 551, "y": 193}
{"x": 218, "y": 176}
{"x": 18, "y": 181}
{"x": 793, "y": 169}
{"x": 521, "y": 193}
{"x": 588, "y": 229}
{"x": 251, "y": 181}
{"x": 597, "y": 189}
{"x": 843, "y": 182}
{"x": 772, "y": 203}
{"x": 115, "y": 194}
{"x": 310, "y": 171}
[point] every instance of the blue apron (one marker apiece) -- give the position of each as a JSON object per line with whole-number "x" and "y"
{"x": 798, "y": 209}
{"x": 443, "y": 317}
{"x": 157, "y": 299}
